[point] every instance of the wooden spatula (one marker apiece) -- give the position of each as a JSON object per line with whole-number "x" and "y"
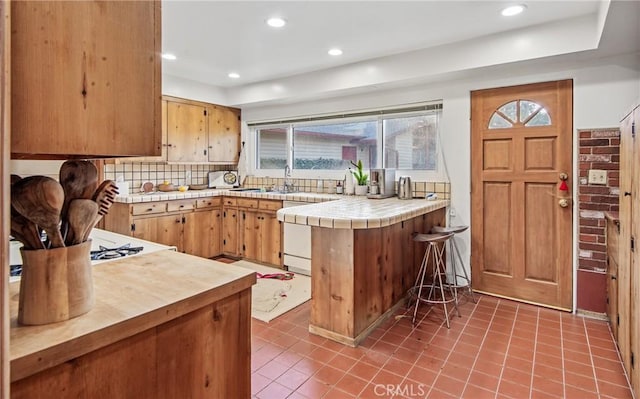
{"x": 104, "y": 197}
{"x": 81, "y": 214}
{"x": 40, "y": 199}
{"x": 25, "y": 231}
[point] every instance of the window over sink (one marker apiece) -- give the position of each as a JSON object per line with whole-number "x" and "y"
{"x": 401, "y": 138}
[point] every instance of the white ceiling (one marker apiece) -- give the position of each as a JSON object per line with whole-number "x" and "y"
{"x": 213, "y": 38}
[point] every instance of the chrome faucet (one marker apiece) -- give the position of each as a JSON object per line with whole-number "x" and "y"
{"x": 288, "y": 186}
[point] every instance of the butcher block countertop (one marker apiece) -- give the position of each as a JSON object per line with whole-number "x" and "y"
{"x": 359, "y": 212}
{"x": 132, "y": 294}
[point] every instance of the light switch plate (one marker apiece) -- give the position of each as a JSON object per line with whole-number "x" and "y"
{"x": 597, "y": 176}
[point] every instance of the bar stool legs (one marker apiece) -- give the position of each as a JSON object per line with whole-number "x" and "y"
{"x": 455, "y": 256}
{"x": 436, "y": 288}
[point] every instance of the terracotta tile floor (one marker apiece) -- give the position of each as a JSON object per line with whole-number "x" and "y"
{"x": 497, "y": 349}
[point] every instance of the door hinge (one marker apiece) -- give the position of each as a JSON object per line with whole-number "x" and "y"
{"x": 238, "y": 154}
{"x": 607, "y": 300}
{"x": 632, "y": 360}
{"x": 205, "y": 112}
{"x": 617, "y": 319}
{"x": 239, "y": 118}
{"x": 243, "y": 247}
{"x": 133, "y": 227}
{"x": 205, "y": 152}
{"x": 224, "y": 214}
{"x": 244, "y": 216}
{"x": 184, "y": 220}
{"x": 224, "y": 242}
{"x": 633, "y": 244}
{"x": 633, "y": 130}
{"x": 279, "y": 255}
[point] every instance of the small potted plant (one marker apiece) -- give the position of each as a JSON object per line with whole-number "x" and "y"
{"x": 361, "y": 178}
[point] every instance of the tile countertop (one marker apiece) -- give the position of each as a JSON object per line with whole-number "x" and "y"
{"x": 173, "y": 195}
{"x": 359, "y": 212}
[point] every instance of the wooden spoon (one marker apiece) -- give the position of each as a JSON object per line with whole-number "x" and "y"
{"x": 79, "y": 180}
{"x": 82, "y": 213}
{"x": 25, "y": 231}
{"x": 40, "y": 199}
{"x": 104, "y": 197}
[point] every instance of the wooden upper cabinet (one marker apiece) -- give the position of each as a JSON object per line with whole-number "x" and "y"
{"x": 224, "y": 135}
{"x": 187, "y": 132}
{"x": 86, "y": 79}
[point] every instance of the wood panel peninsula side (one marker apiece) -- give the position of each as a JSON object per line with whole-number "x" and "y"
{"x": 165, "y": 325}
{"x": 363, "y": 260}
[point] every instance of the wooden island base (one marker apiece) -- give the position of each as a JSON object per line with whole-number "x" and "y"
{"x": 360, "y": 277}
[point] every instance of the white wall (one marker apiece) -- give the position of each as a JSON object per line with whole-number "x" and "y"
{"x": 602, "y": 94}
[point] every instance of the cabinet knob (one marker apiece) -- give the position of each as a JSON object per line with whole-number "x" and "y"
{"x": 626, "y": 193}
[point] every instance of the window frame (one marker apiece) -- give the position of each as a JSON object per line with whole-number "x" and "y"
{"x": 417, "y": 175}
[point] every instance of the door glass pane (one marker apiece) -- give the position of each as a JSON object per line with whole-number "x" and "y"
{"x": 509, "y": 110}
{"x": 498, "y": 122}
{"x": 527, "y": 108}
{"x": 272, "y": 148}
{"x": 334, "y": 145}
{"x": 542, "y": 118}
{"x": 410, "y": 142}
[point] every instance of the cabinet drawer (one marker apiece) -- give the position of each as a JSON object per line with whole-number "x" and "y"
{"x": 270, "y": 205}
{"x": 229, "y": 201}
{"x": 247, "y": 203}
{"x": 148, "y": 208}
{"x": 208, "y": 202}
{"x": 183, "y": 205}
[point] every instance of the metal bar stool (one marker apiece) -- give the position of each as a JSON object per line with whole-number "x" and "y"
{"x": 436, "y": 288}
{"x": 457, "y": 264}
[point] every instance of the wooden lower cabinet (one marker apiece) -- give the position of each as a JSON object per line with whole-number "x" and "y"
{"x": 230, "y": 227}
{"x": 261, "y": 237}
{"x": 203, "y": 354}
{"x": 193, "y": 227}
{"x": 613, "y": 234}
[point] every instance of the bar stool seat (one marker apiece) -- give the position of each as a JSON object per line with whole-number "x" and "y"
{"x": 457, "y": 271}
{"x": 436, "y": 243}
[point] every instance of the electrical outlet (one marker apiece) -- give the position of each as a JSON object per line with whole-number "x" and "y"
{"x": 597, "y": 176}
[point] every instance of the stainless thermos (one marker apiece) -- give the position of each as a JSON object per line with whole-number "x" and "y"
{"x": 404, "y": 188}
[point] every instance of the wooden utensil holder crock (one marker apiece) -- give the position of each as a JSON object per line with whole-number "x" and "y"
{"x": 56, "y": 284}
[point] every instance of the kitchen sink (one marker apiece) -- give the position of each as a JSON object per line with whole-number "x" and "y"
{"x": 245, "y": 189}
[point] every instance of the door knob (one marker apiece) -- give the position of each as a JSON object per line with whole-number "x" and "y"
{"x": 563, "y": 202}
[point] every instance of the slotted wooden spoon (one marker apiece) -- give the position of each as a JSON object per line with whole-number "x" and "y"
{"x": 40, "y": 199}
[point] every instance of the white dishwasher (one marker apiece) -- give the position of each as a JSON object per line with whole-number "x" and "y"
{"x": 297, "y": 244}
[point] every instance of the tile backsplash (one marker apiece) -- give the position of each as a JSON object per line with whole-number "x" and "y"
{"x": 328, "y": 186}
{"x": 136, "y": 173}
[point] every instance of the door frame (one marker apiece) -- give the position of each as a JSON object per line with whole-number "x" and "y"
{"x": 574, "y": 206}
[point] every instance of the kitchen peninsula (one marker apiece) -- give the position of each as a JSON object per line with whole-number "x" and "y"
{"x": 363, "y": 259}
{"x": 164, "y": 325}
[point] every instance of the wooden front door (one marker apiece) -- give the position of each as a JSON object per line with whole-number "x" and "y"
{"x": 521, "y": 236}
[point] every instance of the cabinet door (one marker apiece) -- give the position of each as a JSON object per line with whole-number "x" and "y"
{"x": 230, "y": 231}
{"x": 186, "y": 132}
{"x": 271, "y": 239}
{"x": 224, "y": 134}
{"x": 624, "y": 245}
{"x": 169, "y": 231}
{"x": 250, "y": 228}
{"x": 199, "y": 233}
{"x": 634, "y": 302}
{"x": 86, "y": 73}
{"x": 145, "y": 229}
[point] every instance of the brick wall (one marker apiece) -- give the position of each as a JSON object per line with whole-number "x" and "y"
{"x": 599, "y": 149}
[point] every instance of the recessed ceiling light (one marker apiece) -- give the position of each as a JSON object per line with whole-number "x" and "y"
{"x": 233, "y": 75}
{"x": 513, "y": 10}
{"x": 169, "y": 56}
{"x": 276, "y": 22}
{"x": 335, "y": 51}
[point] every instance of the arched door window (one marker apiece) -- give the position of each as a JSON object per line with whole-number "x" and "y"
{"x": 519, "y": 113}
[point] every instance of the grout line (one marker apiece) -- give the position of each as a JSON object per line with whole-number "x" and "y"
{"x": 506, "y": 354}
{"x": 564, "y": 378}
{"x": 593, "y": 365}
{"x": 535, "y": 347}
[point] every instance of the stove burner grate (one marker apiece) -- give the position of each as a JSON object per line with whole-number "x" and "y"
{"x": 111, "y": 253}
